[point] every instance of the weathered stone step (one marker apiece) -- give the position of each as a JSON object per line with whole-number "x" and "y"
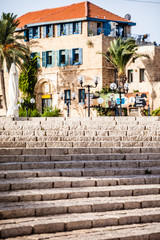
{"x": 80, "y": 151}
{"x": 78, "y": 172}
{"x": 83, "y": 192}
{"x": 77, "y": 157}
{"x": 67, "y": 182}
{"x": 143, "y": 231}
{"x": 28, "y": 226}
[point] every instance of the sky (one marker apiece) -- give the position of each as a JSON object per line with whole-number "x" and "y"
{"x": 145, "y": 13}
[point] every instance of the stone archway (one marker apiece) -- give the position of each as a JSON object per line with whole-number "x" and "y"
{"x": 44, "y": 89}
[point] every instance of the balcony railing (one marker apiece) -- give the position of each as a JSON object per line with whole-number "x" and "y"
{"x": 140, "y": 39}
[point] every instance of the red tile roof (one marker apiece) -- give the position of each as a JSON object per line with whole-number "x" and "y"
{"x": 74, "y": 11}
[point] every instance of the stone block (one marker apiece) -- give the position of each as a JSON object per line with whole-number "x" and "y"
{"x": 110, "y": 221}
{"x": 108, "y": 206}
{"x": 132, "y": 144}
{"x": 4, "y": 186}
{"x": 17, "y": 213}
{"x": 10, "y": 166}
{"x": 20, "y": 174}
{"x": 124, "y": 150}
{"x": 78, "y": 150}
{"x": 69, "y": 165}
{"x": 132, "y": 205}
{"x": 79, "y": 208}
{"x": 56, "y": 151}
{"x": 73, "y": 225}
{"x": 35, "y": 144}
{"x": 48, "y": 227}
{"x": 100, "y": 150}
{"x": 59, "y": 144}
{"x": 12, "y": 232}
{"x": 62, "y": 184}
{"x": 71, "y": 173}
{"x": 33, "y": 151}
{"x": 110, "y": 144}
{"x": 121, "y": 193}
{"x": 83, "y": 183}
{"x": 106, "y": 182}
{"x": 50, "y": 210}
{"x": 129, "y": 220}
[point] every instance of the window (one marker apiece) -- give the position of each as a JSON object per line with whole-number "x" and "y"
{"x": 76, "y": 28}
{"x": 49, "y": 30}
{"x": 34, "y": 32}
{"x": 76, "y": 56}
{"x": 142, "y": 75}
{"x": 63, "y": 29}
{"x": 49, "y": 58}
{"x": 62, "y": 57}
{"x": 130, "y": 76}
{"x": 81, "y": 96}
{"x": 67, "y": 94}
{"x": 69, "y": 28}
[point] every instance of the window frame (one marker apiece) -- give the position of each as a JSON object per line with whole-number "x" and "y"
{"x": 130, "y": 75}
{"x": 82, "y": 96}
{"x": 141, "y": 78}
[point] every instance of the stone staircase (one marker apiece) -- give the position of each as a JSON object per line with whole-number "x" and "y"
{"x": 91, "y": 178}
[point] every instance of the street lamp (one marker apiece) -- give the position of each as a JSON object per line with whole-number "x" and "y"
{"x": 26, "y": 104}
{"x": 81, "y": 80}
{"x": 67, "y": 100}
{"x": 113, "y": 87}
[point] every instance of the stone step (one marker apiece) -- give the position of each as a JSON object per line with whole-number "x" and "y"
{"x": 60, "y": 223}
{"x": 105, "y": 164}
{"x": 78, "y": 157}
{"x": 143, "y": 231}
{"x": 46, "y": 182}
{"x": 80, "y": 172}
{"x": 80, "y": 151}
{"x": 79, "y": 205}
{"x": 76, "y": 192}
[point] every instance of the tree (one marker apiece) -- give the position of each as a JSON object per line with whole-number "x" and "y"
{"x": 11, "y": 48}
{"x": 120, "y": 53}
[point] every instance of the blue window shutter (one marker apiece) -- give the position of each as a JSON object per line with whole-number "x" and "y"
{"x": 80, "y": 56}
{"x": 66, "y": 57}
{"x": 71, "y": 28}
{"x": 71, "y": 56}
{"x": 44, "y": 59}
{"x": 80, "y": 27}
{"x": 58, "y": 30}
{"x": 51, "y": 33}
{"x": 67, "y": 29}
{"x": 107, "y": 28}
{"x": 57, "y": 57}
{"x": 25, "y": 35}
{"x": 39, "y": 33}
{"x": 38, "y": 60}
{"x": 53, "y": 58}
{"x": 30, "y": 33}
{"x": 32, "y": 54}
{"x": 44, "y": 31}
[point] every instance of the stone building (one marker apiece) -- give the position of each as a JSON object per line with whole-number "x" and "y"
{"x": 67, "y": 40}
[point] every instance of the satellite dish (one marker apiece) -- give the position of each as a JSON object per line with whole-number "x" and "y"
{"x": 127, "y": 16}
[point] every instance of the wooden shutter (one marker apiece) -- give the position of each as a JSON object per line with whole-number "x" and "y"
{"x": 107, "y": 28}
{"x": 57, "y": 57}
{"x": 80, "y": 56}
{"x": 71, "y": 56}
{"x": 80, "y": 27}
{"x": 58, "y": 30}
{"x": 51, "y": 33}
{"x": 44, "y": 59}
{"x": 39, "y": 32}
{"x": 71, "y": 28}
{"x": 30, "y": 33}
{"x": 67, "y": 29}
{"x": 66, "y": 57}
{"x": 53, "y": 58}
{"x": 44, "y": 31}
{"x": 38, "y": 60}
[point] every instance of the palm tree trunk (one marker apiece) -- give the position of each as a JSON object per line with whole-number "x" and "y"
{"x": 2, "y": 82}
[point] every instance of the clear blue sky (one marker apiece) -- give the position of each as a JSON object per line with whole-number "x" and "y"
{"x": 146, "y": 13}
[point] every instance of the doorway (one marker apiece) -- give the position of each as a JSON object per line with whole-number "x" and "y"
{"x": 46, "y": 102}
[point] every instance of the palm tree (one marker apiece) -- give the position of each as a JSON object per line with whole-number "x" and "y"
{"x": 120, "y": 53}
{"x": 11, "y": 48}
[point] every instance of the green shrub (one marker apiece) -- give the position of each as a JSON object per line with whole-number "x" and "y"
{"x": 156, "y": 112}
{"x": 31, "y": 112}
{"x": 50, "y": 112}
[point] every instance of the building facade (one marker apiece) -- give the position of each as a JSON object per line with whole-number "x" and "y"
{"x": 68, "y": 41}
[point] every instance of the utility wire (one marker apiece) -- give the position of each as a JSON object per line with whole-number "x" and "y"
{"x": 143, "y": 1}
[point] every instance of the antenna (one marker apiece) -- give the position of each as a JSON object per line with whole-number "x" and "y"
{"x": 127, "y": 16}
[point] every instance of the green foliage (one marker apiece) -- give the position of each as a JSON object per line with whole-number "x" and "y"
{"x": 156, "y": 112}
{"x": 32, "y": 110}
{"x": 50, "y": 112}
{"x": 148, "y": 171}
{"x": 135, "y": 91}
{"x": 27, "y": 78}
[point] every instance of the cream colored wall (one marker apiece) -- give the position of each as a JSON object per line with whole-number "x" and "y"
{"x": 152, "y": 71}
